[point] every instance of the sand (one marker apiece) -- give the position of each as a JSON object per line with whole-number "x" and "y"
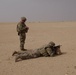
{"x": 63, "y": 33}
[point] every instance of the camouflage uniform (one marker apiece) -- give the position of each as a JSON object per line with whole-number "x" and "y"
{"x": 27, "y": 55}
{"x": 44, "y": 51}
{"x": 47, "y": 50}
{"x": 22, "y": 30}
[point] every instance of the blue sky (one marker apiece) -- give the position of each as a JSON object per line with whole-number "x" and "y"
{"x": 37, "y": 10}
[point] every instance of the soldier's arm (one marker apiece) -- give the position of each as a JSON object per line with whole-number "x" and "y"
{"x": 49, "y": 51}
{"x": 58, "y": 50}
{"x": 20, "y": 28}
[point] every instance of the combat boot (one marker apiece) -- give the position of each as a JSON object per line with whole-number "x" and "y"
{"x": 22, "y": 48}
{"x": 14, "y": 53}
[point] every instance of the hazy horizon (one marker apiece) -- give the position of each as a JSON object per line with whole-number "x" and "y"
{"x": 37, "y": 10}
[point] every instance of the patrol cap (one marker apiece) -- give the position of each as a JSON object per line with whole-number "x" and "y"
{"x": 23, "y": 18}
{"x": 51, "y": 43}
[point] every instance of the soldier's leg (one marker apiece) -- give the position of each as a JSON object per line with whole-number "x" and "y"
{"x": 20, "y": 57}
{"x": 36, "y": 54}
{"x": 17, "y": 58}
{"x": 22, "y": 41}
{"x": 22, "y": 46}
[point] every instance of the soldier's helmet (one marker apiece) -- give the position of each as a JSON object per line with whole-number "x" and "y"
{"x": 23, "y": 18}
{"x": 52, "y": 43}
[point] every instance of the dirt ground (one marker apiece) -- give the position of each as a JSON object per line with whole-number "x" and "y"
{"x": 63, "y": 33}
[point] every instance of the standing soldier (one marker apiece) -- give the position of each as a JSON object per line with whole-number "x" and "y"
{"x": 22, "y": 29}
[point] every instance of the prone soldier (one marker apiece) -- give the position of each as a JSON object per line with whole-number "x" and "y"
{"x": 48, "y": 50}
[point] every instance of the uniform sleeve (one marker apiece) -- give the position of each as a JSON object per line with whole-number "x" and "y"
{"x": 49, "y": 51}
{"x": 20, "y": 28}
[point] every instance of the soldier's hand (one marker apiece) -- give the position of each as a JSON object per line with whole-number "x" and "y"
{"x": 26, "y": 29}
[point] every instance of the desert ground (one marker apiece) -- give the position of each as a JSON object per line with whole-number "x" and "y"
{"x": 63, "y": 33}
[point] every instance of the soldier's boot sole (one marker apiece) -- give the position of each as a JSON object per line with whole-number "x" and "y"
{"x": 14, "y": 53}
{"x": 17, "y": 58}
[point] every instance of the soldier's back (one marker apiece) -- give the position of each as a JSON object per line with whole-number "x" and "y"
{"x": 43, "y": 50}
